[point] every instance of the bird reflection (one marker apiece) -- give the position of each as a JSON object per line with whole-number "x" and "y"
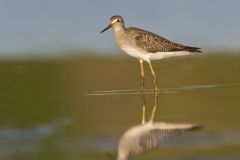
{"x": 150, "y": 135}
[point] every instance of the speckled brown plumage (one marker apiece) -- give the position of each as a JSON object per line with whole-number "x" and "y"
{"x": 153, "y": 43}
{"x": 145, "y": 45}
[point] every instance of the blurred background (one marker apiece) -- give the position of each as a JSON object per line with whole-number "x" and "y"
{"x": 68, "y": 92}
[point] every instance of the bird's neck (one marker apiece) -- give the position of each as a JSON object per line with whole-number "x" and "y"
{"x": 119, "y": 35}
{"x": 119, "y": 28}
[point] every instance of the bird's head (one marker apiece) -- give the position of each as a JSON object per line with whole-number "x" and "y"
{"x": 115, "y": 22}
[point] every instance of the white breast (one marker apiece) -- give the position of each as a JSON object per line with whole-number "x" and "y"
{"x": 137, "y": 53}
{"x": 140, "y": 54}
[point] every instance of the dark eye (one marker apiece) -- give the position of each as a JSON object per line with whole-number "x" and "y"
{"x": 118, "y": 20}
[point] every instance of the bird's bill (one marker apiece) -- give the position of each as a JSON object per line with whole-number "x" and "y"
{"x": 109, "y": 26}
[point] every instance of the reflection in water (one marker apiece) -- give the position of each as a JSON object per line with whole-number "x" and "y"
{"x": 36, "y": 133}
{"x": 143, "y": 104}
{"x": 20, "y": 141}
{"x": 198, "y": 140}
{"x": 151, "y": 135}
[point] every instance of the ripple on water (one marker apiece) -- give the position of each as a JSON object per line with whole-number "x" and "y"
{"x": 167, "y": 90}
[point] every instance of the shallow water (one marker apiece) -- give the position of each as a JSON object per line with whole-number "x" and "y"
{"x": 78, "y": 108}
{"x": 161, "y": 90}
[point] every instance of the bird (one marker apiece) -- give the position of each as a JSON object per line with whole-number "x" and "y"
{"x": 146, "y": 137}
{"x": 146, "y": 46}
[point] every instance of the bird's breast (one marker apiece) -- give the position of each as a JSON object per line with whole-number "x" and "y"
{"x": 127, "y": 44}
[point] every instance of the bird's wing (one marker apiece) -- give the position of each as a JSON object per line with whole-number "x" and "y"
{"x": 153, "y": 43}
{"x": 156, "y": 137}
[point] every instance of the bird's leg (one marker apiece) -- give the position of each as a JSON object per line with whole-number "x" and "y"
{"x": 142, "y": 92}
{"x": 154, "y": 77}
{"x": 142, "y": 76}
{"x": 155, "y": 91}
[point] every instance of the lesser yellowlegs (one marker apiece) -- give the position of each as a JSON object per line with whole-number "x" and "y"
{"x": 146, "y": 46}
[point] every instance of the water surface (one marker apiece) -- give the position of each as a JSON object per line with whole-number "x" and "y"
{"x": 78, "y": 108}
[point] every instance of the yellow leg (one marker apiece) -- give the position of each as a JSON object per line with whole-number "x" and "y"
{"x": 142, "y": 92}
{"x": 154, "y": 77}
{"x": 142, "y": 75}
{"x": 155, "y": 91}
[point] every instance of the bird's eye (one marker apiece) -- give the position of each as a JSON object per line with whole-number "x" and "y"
{"x": 118, "y": 20}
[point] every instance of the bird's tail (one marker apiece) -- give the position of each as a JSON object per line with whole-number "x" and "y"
{"x": 193, "y": 49}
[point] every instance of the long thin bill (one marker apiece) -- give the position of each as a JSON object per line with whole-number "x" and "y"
{"x": 109, "y": 26}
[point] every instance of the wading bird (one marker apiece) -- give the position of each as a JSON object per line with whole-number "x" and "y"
{"x": 145, "y": 46}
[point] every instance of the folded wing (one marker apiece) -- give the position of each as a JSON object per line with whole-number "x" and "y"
{"x": 153, "y": 43}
